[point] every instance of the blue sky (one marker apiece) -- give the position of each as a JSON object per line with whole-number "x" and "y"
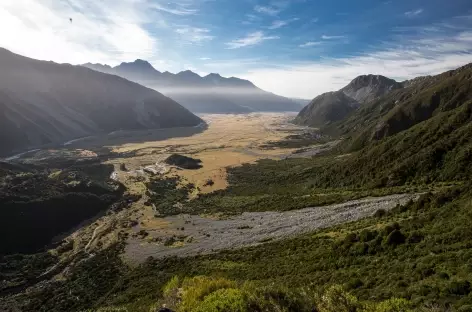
{"x": 297, "y": 48}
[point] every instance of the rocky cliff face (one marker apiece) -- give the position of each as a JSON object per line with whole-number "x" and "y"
{"x": 367, "y": 88}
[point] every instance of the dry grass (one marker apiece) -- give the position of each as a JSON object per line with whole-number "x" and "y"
{"x": 230, "y": 140}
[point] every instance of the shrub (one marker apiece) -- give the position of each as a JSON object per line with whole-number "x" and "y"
{"x": 380, "y": 213}
{"x": 367, "y": 235}
{"x": 390, "y": 228}
{"x": 223, "y": 300}
{"x": 393, "y": 305}
{"x": 395, "y": 238}
{"x": 335, "y": 299}
{"x": 195, "y": 290}
{"x": 415, "y": 238}
{"x": 459, "y": 287}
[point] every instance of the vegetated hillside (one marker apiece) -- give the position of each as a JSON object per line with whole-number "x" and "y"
{"x": 442, "y": 95}
{"x": 44, "y": 102}
{"x": 38, "y": 203}
{"x": 326, "y": 108}
{"x": 209, "y": 94}
{"x": 335, "y": 106}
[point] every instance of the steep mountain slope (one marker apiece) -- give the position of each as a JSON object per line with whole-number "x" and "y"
{"x": 326, "y": 108}
{"x": 404, "y": 108}
{"x": 209, "y": 94}
{"x": 44, "y": 102}
{"x": 367, "y": 88}
{"x": 335, "y": 106}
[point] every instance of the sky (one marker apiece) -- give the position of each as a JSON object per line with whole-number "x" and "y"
{"x": 295, "y": 48}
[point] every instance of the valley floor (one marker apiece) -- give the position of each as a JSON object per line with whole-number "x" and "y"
{"x": 229, "y": 140}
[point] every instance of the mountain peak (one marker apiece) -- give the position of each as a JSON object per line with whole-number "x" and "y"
{"x": 138, "y": 64}
{"x": 366, "y": 88}
{"x": 371, "y": 79}
{"x": 213, "y": 75}
{"x": 188, "y": 73}
{"x": 96, "y": 65}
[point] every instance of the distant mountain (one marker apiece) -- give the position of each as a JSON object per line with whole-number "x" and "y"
{"x": 44, "y": 102}
{"x": 301, "y": 102}
{"x": 335, "y": 106}
{"x": 326, "y": 108}
{"x": 209, "y": 94}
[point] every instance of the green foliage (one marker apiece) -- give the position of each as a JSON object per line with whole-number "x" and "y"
{"x": 89, "y": 282}
{"x": 166, "y": 194}
{"x": 223, "y": 300}
{"x": 19, "y": 269}
{"x": 198, "y": 288}
{"x": 171, "y": 285}
{"x": 393, "y": 305}
{"x": 335, "y": 299}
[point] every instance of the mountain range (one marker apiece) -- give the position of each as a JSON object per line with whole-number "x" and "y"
{"x": 44, "y": 102}
{"x": 209, "y": 94}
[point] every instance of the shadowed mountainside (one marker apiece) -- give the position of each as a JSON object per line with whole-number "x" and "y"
{"x": 326, "y": 108}
{"x": 44, "y": 102}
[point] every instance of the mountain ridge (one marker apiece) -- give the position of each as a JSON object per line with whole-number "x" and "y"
{"x": 208, "y": 94}
{"x": 334, "y": 106}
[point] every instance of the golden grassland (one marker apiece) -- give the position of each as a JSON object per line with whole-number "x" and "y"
{"x": 230, "y": 140}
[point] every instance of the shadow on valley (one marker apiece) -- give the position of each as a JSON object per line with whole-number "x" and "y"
{"x": 136, "y": 137}
{"x": 39, "y": 203}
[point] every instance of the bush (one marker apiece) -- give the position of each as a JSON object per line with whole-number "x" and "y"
{"x": 335, "y": 299}
{"x": 367, "y": 235}
{"x": 223, "y": 300}
{"x": 195, "y": 290}
{"x": 380, "y": 213}
{"x": 395, "y": 238}
{"x": 393, "y": 305}
{"x": 459, "y": 288}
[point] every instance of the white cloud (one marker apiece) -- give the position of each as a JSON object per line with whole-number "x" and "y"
{"x": 194, "y": 34}
{"x": 178, "y": 10}
{"x": 310, "y": 44}
{"x": 274, "y": 7}
{"x": 413, "y": 13}
{"x": 251, "y": 39}
{"x": 279, "y": 23}
{"x": 269, "y": 10}
{"x": 325, "y": 37}
{"x": 205, "y": 58}
{"x": 399, "y": 60}
{"x": 101, "y": 31}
